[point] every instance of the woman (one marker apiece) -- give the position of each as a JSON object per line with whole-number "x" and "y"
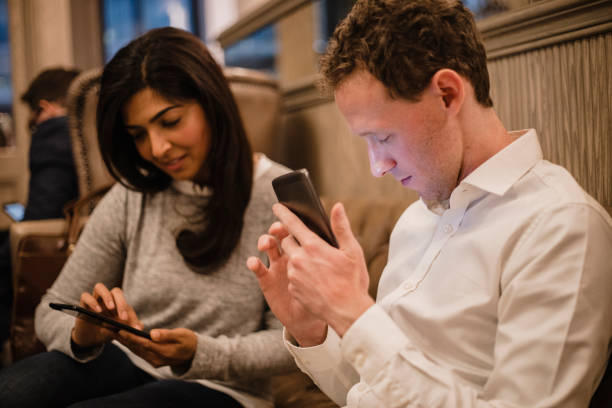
{"x": 164, "y": 250}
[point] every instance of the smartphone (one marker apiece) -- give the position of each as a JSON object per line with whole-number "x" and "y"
{"x": 296, "y": 192}
{"x": 97, "y": 318}
{"x": 14, "y": 210}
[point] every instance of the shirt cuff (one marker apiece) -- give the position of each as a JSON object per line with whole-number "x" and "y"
{"x": 371, "y": 341}
{"x": 325, "y": 356}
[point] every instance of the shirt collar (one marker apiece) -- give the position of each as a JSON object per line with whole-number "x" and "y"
{"x": 506, "y": 167}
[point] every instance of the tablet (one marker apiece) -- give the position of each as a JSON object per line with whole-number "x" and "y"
{"x": 14, "y": 210}
{"x": 97, "y": 318}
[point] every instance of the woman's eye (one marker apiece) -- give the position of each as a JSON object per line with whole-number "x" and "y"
{"x": 170, "y": 123}
{"x": 138, "y": 135}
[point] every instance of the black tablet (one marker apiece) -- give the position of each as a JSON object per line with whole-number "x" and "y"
{"x": 97, "y": 318}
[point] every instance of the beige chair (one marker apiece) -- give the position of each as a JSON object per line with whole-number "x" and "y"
{"x": 258, "y": 100}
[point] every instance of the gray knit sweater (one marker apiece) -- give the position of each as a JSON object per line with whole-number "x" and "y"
{"x": 129, "y": 242}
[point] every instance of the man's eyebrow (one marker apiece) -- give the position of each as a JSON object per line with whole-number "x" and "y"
{"x": 158, "y": 114}
{"x": 366, "y": 134}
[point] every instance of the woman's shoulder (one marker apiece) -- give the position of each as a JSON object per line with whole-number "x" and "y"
{"x": 267, "y": 169}
{"x": 265, "y": 172}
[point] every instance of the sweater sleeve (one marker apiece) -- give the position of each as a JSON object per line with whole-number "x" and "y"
{"x": 98, "y": 257}
{"x": 255, "y": 355}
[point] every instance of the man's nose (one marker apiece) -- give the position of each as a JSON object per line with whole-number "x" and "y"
{"x": 380, "y": 162}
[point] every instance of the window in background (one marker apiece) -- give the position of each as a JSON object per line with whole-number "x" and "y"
{"x": 124, "y": 20}
{"x": 328, "y": 13}
{"x": 6, "y": 90}
{"x": 486, "y": 8}
{"x": 257, "y": 51}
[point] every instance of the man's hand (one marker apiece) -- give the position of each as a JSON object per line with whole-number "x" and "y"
{"x": 331, "y": 283}
{"x": 171, "y": 347}
{"x": 305, "y": 328}
{"x": 112, "y": 303}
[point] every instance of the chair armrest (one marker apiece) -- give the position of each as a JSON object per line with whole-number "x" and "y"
{"x": 19, "y": 230}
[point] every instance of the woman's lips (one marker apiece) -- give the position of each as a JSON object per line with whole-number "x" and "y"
{"x": 174, "y": 164}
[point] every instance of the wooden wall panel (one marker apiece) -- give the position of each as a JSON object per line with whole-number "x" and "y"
{"x": 565, "y": 92}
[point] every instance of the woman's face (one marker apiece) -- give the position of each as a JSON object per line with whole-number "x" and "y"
{"x": 174, "y": 136}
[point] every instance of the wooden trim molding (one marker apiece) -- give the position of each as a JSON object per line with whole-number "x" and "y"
{"x": 268, "y": 13}
{"x": 303, "y": 94}
{"x": 544, "y": 24}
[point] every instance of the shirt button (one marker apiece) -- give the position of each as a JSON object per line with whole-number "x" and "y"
{"x": 359, "y": 359}
{"x": 448, "y": 229}
{"x": 409, "y": 286}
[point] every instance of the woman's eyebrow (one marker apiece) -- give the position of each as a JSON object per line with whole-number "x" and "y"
{"x": 157, "y": 115}
{"x": 161, "y": 112}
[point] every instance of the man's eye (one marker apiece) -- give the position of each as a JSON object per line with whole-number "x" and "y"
{"x": 170, "y": 123}
{"x": 384, "y": 139}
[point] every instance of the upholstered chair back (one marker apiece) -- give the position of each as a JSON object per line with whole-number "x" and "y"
{"x": 256, "y": 94}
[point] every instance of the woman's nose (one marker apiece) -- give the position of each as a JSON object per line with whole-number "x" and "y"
{"x": 159, "y": 145}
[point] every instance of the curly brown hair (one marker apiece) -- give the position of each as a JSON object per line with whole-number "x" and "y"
{"x": 404, "y": 43}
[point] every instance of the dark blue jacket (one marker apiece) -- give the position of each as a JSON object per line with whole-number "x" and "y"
{"x": 53, "y": 179}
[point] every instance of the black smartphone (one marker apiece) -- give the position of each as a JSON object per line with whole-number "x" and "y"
{"x": 296, "y": 192}
{"x": 14, "y": 210}
{"x": 97, "y": 318}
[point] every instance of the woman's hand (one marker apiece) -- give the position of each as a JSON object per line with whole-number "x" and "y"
{"x": 111, "y": 303}
{"x": 171, "y": 347}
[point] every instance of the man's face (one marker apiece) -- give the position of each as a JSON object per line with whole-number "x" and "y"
{"x": 418, "y": 143}
{"x": 45, "y": 110}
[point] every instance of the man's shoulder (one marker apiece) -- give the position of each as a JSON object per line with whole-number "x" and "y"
{"x": 552, "y": 186}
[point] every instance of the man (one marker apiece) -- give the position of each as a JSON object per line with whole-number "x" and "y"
{"x": 53, "y": 178}
{"x": 497, "y": 288}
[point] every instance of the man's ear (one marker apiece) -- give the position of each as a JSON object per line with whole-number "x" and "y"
{"x": 449, "y": 86}
{"x": 49, "y": 109}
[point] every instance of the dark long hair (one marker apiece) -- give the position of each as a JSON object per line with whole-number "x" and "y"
{"x": 177, "y": 65}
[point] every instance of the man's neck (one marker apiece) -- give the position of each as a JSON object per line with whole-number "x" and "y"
{"x": 484, "y": 136}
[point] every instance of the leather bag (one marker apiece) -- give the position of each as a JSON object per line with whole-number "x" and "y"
{"x": 39, "y": 260}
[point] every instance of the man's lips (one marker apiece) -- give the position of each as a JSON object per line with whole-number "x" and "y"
{"x": 406, "y": 180}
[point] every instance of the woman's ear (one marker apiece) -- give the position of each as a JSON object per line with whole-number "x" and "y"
{"x": 450, "y": 87}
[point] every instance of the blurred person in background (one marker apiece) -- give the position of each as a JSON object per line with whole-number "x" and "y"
{"x": 53, "y": 179}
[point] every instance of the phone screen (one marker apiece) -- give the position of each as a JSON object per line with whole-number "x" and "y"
{"x": 15, "y": 210}
{"x": 296, "y": 192}
{"x": 97, "y": 318}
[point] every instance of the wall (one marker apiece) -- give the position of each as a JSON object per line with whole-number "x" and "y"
{"x": 550, "y": 69}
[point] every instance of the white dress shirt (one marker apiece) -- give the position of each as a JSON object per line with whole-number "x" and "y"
{"x": 502, "y": 300}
